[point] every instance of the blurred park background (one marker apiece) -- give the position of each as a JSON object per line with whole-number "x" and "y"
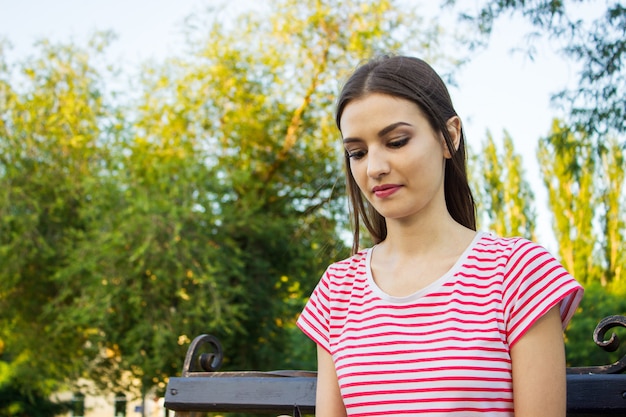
{"x": 146, "y": 201}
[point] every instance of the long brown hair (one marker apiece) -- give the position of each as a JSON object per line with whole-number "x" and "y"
{"x": 414, "y": 80}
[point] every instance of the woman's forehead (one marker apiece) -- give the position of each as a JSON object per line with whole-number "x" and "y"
{"x": 375, "y": 111}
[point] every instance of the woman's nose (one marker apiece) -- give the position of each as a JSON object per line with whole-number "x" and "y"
{"x": 377, "y": 164}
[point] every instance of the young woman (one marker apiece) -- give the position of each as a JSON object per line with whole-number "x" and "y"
{"x": 435, "y": 319}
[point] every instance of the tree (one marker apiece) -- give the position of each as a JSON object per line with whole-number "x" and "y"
{"x": 504, "y": 197}
{"x": 51, "y": 122}
{"x": 259, "y": 98}
{"x": 207, "y": 200}
{"x": 583, "y": 35}
{"x": 586, "y": 195}
{"x": 613, "y": 197}
{"x": 568, "y": 169}
{"x": 14, "y": 402}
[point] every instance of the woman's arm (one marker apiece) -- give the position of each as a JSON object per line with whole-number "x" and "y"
{"x": 328, "y": 402}
{"x": 539, "y": 383}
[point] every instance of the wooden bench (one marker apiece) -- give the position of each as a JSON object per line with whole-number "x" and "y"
{"x": 591, "y": 391}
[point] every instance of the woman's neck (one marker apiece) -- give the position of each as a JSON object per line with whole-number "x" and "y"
{"x": 425, "y": 236}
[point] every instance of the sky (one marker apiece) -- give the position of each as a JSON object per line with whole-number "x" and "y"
{"x": 497, "y": 90}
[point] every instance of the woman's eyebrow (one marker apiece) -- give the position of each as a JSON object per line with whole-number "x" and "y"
{"x": 382, "y": 132}
{"x": 351, "y": 140}
{"x": 391, "y": 128}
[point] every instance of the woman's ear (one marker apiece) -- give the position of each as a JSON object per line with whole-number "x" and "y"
{"x": 454, "y": 129}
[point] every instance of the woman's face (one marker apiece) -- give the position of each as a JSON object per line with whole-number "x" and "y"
{"x": 395, "y": 156}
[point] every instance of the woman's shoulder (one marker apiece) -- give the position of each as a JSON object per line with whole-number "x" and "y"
{"x": 356, "y": 259}
{"x": 493, "y": 242}
{"x": 354, "y": 265}
{"x": 515, "y": 252}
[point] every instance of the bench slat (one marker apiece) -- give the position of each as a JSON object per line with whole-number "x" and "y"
{"x": 588, "y": 395}
{"x": 237, "y": 393}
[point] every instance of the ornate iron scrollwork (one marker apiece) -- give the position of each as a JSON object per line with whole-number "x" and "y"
{"x": 609, "y": 345}
{"x": 208, "y": 362}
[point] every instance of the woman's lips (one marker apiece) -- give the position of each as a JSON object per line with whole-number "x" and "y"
{"x": 383, "y": 191}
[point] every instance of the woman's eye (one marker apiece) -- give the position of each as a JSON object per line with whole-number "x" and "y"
{"x": 355, "y": 154}
{"x": 395, "y": 144}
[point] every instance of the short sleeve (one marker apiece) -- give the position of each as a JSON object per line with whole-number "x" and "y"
{"x": 534, "y": 283}
{"x": 314, "y": 320}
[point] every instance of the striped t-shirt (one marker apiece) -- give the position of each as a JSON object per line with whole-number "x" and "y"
{"x": 445, "y": 349}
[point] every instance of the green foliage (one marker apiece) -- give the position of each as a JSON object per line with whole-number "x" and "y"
{"x": 50, "y": 127}
{"x": 599, "y": 302}
{"x": 568, "y": 169}
{"x": 14, "y": 403}
{"x": 590, "y": 33}
{"x": 504, "y": 197}
{"x": 206, "y": 200}
{"x": 586, "y": 197}
{"x": 613, "y": 221}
